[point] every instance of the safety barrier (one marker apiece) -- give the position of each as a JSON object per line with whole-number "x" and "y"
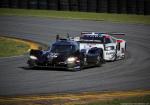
{"x": 109, "y": 6}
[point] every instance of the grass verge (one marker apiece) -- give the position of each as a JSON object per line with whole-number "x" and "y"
{"x": 124, "y": 18}
{"x": 14, "y": 47}
{"x": 138, "y": 100}
{"x": 99, "y": 98}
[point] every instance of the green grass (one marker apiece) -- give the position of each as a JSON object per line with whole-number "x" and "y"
{"x": 10, "y": 47}
{"x": 123, "y": 18}
{"x": 141, "y": 100}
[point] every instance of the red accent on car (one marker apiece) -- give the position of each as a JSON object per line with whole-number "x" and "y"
{"x": 107, "y": 36}
{"x": 119, "y": 41}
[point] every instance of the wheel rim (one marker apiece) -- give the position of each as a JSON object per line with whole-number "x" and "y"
{"x": 98, "y": 60}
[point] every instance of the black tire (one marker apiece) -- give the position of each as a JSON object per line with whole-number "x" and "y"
{"x": 99, "y": 61}
{"x": 80, "y": 67}
{"x": 101, "y": 55}
{"x": 115, "y": 57}
{"x": 124, "y": 51}
{"x": 31, "y": 64}
{"x": 75, "y": 69}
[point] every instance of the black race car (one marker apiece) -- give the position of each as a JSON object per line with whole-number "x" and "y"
{"x": 65, "y": 53}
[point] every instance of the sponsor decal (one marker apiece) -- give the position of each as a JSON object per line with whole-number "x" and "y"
{"x": 110, "y": 53}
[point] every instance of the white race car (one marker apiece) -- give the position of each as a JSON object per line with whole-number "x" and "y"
{"x": 112, "y": 48}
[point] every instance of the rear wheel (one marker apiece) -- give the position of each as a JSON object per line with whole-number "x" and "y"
{"x": 114, "y": 58}
{"x": 123, "y": 51}
{"x": 99, "y": 61}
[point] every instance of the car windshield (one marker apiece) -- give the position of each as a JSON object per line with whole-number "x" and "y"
{"x": 62, "y": 48}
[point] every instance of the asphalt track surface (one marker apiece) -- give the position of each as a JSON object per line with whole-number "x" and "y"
{"x": 129, "y": 74}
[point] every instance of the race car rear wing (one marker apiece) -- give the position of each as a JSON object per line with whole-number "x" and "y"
{"x": 117, "y": 34}
{"x": 98, "y": 33}
{"x": 101, "y": 34}
{"x": 91, "y": 37}
{"x": 89, "y": 33}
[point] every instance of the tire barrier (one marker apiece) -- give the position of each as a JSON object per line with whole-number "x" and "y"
{"x": 110, "y": 6}
{"x": 23, "y": 4}
{"x": 73, "y": 5}
{"x": 53, "y": 4}
{"x": 83, "y": 5}
{"x": 102, "y": 6}
{"x": 64, "y": 4}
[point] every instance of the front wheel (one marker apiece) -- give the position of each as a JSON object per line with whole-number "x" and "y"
{"x": 31, "y": 64}
{"x": 114, "y": 58}
{"x": 75, "y": 67}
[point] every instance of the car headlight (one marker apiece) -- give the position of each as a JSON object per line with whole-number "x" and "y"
{"x": 33, "y": 57}
{"x": 109, "y": 48}
{"x": 71, "y": 59}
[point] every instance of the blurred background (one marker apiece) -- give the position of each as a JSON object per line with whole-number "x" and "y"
{"x": 100, "y": 6}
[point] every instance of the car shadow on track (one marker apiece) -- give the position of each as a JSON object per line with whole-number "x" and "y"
{"x": 44, "y": 69}
{"x": 53, "y": 69}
